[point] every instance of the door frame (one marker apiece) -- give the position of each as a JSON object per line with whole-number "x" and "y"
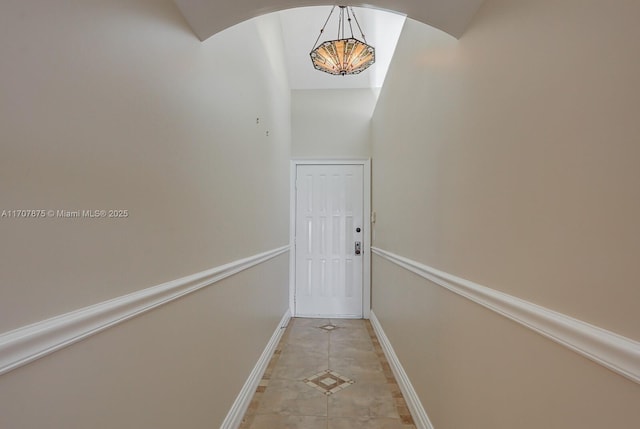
{"x": 366, "y": 237}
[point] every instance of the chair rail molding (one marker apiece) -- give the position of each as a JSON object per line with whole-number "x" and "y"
{"x": 615, "y": 352}
{"x": 29, "y": 343}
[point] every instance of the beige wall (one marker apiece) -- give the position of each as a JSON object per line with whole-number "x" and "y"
{"x": 332, "y": 123}
{"x": 473, "y": 368}
{"x": 117, "y": 105}
{"x": 508, "y": 157}
{"x": 179, "y": 366}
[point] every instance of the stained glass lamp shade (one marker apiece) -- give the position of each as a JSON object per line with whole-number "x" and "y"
{"x": 345, "y": 55}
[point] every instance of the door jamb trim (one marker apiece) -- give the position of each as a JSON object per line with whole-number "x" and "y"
{"x": 366, "y": 215}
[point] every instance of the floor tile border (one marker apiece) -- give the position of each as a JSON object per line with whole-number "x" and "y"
{"x": 253, "y": 383}
{"x": 421, "y": 420}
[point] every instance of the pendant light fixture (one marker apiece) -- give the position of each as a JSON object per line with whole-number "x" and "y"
{"x": 344, "y": 55}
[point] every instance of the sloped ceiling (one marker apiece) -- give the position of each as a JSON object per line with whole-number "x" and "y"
{"x": 207, "y": 17}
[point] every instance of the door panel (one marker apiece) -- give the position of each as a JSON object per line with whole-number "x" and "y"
{"x": 329, "y": 208}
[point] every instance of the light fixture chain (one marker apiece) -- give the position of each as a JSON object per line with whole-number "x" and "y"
{"x": 349, "y": 19}
{"x": 358, "y": 24}
{"x": 322, "y": 29}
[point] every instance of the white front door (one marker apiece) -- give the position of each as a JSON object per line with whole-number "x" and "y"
{"x": 329, "y": 229}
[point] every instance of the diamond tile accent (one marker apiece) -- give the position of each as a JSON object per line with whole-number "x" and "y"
{"x": 328, "y": 382}
{"x": 328, "y": 327}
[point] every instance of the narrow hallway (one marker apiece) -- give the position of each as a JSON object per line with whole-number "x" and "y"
{"x": 328, "y": 374}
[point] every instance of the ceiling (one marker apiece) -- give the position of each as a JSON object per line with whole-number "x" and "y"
{"x": 207, "y": 17}
{"x": 300, "y": 28}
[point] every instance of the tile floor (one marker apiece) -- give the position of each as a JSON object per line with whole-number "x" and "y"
{"x": 328, "y": 374}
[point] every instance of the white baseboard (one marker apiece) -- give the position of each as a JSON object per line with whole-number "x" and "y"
{"x": 28, "y": 343}
{"x": 240, "y": 405}
{"x": 331, "y": 316}
{"x": 418, "y": 413}
{"x": 613, "y": 351}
